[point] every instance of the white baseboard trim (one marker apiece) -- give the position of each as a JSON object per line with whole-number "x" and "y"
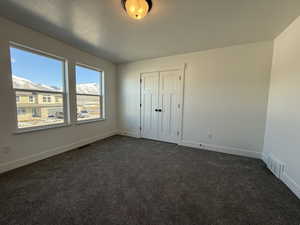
{"x": 46, "y": 154}
{"x": 223, "y": 149}
{"x": 264, "y": 158}
{"x": 130, "y": 134}
{"x": 289, "y": 182}
{"x": 293, "y": 186}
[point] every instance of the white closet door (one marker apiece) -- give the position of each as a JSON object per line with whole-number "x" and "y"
{"x": 169, "y": 103}
{"x": 149, "y": 101}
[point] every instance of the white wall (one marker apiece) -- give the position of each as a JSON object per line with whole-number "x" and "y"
{"x": 226, "y": 93}
{"x": 19, "y": 149}
{"x": 282, "y": 138}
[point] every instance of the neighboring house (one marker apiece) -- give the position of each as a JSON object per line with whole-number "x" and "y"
{"x": 88, "y": 107}
{"x": 41, "y": 106}
{"x": 36, "y": 106}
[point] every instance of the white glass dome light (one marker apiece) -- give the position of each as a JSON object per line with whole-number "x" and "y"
{"x": 137, "y": 9}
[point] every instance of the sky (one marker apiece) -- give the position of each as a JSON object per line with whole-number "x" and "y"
{"x": 45, "y": 70}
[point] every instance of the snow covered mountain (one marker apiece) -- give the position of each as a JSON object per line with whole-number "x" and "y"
{"x": 89, "y": 88}
{"x": 22, "y": 83}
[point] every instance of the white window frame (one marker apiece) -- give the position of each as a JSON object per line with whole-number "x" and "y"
{"x": 64, "y": 91}
{"x": 102, "y": 93}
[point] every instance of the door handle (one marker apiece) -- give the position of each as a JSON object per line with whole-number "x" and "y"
{"x": 159, "y": 110}
{"x": 156, "y": 110}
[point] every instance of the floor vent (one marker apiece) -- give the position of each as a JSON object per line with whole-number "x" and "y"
{"x": 277, "y": 167}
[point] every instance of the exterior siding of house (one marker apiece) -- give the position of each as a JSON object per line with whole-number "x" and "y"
{"x": 36, "y": 106}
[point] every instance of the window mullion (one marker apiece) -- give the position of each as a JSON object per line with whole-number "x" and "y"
{"x": 71, "y": 91}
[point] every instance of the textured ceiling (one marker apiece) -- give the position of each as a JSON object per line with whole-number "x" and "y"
{"x": 102, "y": 28}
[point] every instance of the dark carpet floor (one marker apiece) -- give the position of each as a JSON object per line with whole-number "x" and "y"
{"x": 127, "y": 181}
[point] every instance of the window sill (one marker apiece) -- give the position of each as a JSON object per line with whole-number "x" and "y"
{"x": 40, "y": 128}
{"x": 80, "y": 122}
{"x": 44, "y": 128}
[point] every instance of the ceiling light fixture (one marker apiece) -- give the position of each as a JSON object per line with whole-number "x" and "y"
{"x": 137, "y": 9}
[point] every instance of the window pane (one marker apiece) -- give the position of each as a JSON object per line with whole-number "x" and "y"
{"x": 36, "y": 72}
{"x": 33, "y": 111}
{"x": 88, "y": 107}
{"x": 88, "y": 81}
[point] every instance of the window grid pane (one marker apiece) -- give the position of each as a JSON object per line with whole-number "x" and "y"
{"x": 88, "y": 107}
{"x": 89, "y": 94}
{"x": 38, "y": 113}
{"x": 38, "y": 81}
